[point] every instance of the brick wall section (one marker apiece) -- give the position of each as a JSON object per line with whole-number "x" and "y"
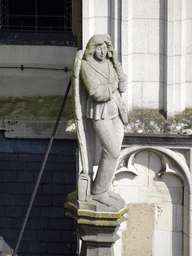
{"x": 48, "y": 230}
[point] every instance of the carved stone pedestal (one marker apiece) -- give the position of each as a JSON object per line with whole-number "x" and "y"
{"x": 97, "y": 230}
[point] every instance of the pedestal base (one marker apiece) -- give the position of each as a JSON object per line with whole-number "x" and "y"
{"x": 91, "y": 249}
{"x": 97, "y": 230}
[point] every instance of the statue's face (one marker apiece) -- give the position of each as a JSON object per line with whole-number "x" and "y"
{"x": 100, "y": 52}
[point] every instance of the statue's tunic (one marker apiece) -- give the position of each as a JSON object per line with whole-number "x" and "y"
{"x": 101, "y": 82}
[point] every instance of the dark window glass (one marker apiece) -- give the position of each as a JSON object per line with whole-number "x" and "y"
{"x": 36, "y": 15}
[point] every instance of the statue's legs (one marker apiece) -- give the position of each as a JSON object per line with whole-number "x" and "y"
{"x": 110, "y": 133}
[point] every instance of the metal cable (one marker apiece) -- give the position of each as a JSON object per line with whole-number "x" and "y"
{"x": 22, "y": 68}
{"x": 41, "y": 170}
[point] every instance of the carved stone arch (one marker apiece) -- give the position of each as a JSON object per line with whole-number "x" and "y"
{"x": 126, "y": 164}
{"x": 128, "y": 154}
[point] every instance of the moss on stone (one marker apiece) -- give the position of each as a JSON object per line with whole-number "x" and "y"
{"x": 148, "y": 121}
{"x": 39, "y": 108}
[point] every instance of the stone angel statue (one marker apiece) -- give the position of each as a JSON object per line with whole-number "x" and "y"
{"x": 98, "y": 81}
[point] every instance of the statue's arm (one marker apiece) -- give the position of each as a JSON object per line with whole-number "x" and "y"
{"x": 97, "y": 90}
{"x": 122, "y": 77}
{"x": 119, "y": 70}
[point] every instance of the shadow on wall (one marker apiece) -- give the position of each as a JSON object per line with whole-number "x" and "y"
{"x": 48, "y": 231}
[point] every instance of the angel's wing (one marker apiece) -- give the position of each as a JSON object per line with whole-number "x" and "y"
{"x": 87, "y": 138}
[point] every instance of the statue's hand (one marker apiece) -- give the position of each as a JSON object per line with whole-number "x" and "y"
{"x": 114, "y": 57}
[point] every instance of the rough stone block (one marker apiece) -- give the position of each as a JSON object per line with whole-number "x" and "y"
{"x": 29, "y": 188}
{"x": 2, "y": 188}
{"x": 8, "y": 176}
{"x": 39, "y": 223}
{"x": 4, "y": 165}
{"x": 189, "y": 95}
{"x": 140, "y": 36}
{"x": 26, "y": 157}
{"x": 156, "y": 36}
{"x": 17, "y": 222}
{"x": 51, "y": 158}
{"x": 60, "y": 166}
{"x": 70, "y": 188}
{"x": 60, "y": 224}
{"x": 2, "y": 210}
{"x": 18, "y": 166}
{"x": 128, "y": 193}
{"x": 149, "y": 10}
{"x": 71, "y": 167}
{"x": 52, "y": 212}
{"x": 5, "y": 222}
{"x": 101, "y": 25}
{"x": 33, "y": 166}
{"x": 38, "y": 247}
{"x": 189, "y": 36}
{"x": 35, "y": 211}
{"x": 9, "y": 234}
{"x": 65, "y": 159}
{"x": 54, "y": 189}
{"x": 179, "y": 10}
{"x": 49, "y": 235}
{"x": 161, "y": 242}
{"x": 58, "y": 200}
{"x": 137, "y": 239}
{"x": 64, "y": 177}
{"x": 15, "y": 188}
{"x": 22, "y": 199}
{"x": 146, "y": 67}
{"x": 43, "y": 200}
{"x": 152, "y": 100}
{"x": 68, "y": 236}
{"x": 13, "y": 211}
{"x": 141, "y": 95}
{"x": 25, "y": 176}
{"x": 7, "y": 199}
{"x": 4, "y": 156}
{"x": 58, "y": 248}
{"x": 158, "y": 194}
{"x": 46, "y": 177}
{"x": 101, "y": 12}
{"x": 50, "y": 166}
{"x": 29, "y": 235}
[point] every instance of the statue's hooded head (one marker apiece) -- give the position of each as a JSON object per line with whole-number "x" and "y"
{"x": 96, "y": 40}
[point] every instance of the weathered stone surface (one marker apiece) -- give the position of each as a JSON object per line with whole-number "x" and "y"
{"x": 164, "y": 193}
{"x": 100, "y": 115}
{"x": 151, "y": 121}
{"x": 97, "y": 230}
{"x": 138, "y": 237}
{"x": 92, "y": 207}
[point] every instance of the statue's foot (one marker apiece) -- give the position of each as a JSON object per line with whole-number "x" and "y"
{"x": 103, "y": 199}
{"x": 113, "y": 194}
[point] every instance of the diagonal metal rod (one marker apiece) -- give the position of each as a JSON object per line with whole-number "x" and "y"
{"x": 41, "y": 170}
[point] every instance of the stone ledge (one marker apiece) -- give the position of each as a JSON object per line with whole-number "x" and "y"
{"x": 36, "y": 129}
